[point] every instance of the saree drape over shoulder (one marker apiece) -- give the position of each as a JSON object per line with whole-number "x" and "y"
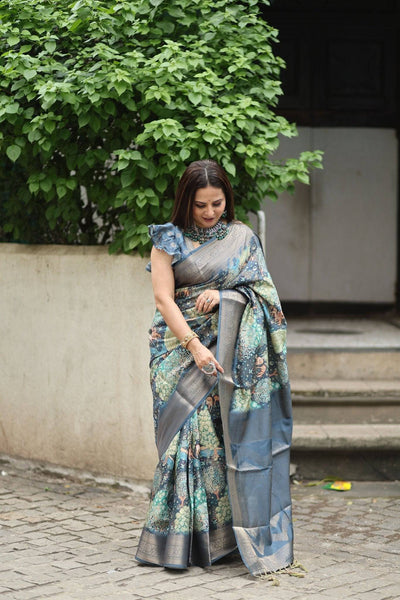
{"x": 223, "y": 441}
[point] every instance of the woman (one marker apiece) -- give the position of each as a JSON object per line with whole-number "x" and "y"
{"x": 222, "y": 408}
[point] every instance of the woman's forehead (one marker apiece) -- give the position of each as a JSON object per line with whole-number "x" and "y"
{"x": 209, "y": 194}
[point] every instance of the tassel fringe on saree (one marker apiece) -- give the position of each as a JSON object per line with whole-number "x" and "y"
{"x": 223, "y": 442}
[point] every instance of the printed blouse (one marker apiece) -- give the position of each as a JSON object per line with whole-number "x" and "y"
{"x": 168, "y": 237}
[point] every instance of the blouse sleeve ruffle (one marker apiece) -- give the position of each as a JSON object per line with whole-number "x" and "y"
{"x": 169, "y": 238}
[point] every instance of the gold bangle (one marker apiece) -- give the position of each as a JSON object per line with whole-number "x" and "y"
{"x": 188, "y": 338}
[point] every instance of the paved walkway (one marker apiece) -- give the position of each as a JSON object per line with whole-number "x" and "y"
{"x": 65, "y": 539}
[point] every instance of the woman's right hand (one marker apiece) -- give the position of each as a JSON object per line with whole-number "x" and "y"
{"x": 202, "y": 355}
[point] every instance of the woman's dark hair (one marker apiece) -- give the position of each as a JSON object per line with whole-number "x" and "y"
{"x": 200, "y": 174}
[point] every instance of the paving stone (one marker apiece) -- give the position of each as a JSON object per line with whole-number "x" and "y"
{"x": 40, "y": 578}
{"x": 90, "y": 558}
{"x": 17, "y": 584}
{"x": 66, "y": 565}
{"x": 76, "y": 541}
{"x": 149, "y": 592}
{"x": 196, "y": 594}
{"x": 232, "y": 595}
{"x": 27, "y": 594}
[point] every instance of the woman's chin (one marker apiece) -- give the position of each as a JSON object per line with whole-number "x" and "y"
{"x": 209, "y": 223}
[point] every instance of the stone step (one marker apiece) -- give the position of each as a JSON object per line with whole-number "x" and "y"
{"x": 358, "y": 436}
{"x": 344, "y": 364}
{"x": 388, "y": 388}
{"x": 351, "y": 402}
{"x": 344, "y": 348}
{"x": 356, "y": 451}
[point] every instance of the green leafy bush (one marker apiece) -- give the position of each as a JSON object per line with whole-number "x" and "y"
{"x": 104, "y": 103}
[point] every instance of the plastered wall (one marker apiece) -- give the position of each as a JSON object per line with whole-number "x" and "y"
{"x": 74, "y": 383}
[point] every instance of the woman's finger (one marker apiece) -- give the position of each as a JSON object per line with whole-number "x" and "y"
{"x": 209, "y": 306}
{"x": 216, "y": 365}
{"x": 207, "y": 301}
{"x": 211, "y": 298}
{"x": 202, "y": 303}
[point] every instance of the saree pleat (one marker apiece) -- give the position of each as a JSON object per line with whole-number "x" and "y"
{"x": 223, "y": 474}
{"x": 189, "y": 521}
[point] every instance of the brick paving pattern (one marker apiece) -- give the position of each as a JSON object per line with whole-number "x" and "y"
{"x": 65, "y": 539}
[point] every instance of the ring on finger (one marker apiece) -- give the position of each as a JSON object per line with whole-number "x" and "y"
{"x": 209, "y": 368}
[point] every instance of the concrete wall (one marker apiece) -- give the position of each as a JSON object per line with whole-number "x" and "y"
{"x": 74, "y": 386}
{"x": 336, "y": 240}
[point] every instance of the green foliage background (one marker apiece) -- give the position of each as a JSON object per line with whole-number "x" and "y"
{"x": 104, "y": 103}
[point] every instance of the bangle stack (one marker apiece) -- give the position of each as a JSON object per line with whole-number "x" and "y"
{"x": 188, "y": 338}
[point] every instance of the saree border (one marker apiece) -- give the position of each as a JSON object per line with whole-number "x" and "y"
{"x": 262, "y": 527}
{"x": 182, "y": 404}
{"x": 202, "y": 548}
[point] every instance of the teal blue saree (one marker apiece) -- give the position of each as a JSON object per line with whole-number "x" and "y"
{"x": 223, "y": 441}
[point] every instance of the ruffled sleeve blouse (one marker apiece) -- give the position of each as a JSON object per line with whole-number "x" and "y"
{"x": 168, "y": 237}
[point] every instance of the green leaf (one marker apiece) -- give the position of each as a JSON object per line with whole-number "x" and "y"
{"x": 33, "y": 187}
{"x": 161, "y": 184}
{"x": 303, "y": 178}
{"x": 50, "y": 46}
{"x": 250, "y": 165}
{"x": 195, "y": 98}
{"x": 12, "y": 40}
{"x": 71, "y": 184}
{"x": 20, "y": 141}
{"x": 109, "y": 107}
{"x": 229, "y": 167}
{"x": 29, "y": 74}
{"x": 122, "y": 164}
{"x": 61, "y": 190}
{"x": 46, "y": 145}
{"x": 95, "y": 123}
{"x": 121, "y": 87}
{"x": 127, "y": 177}
{"x": 131, "y": 243}
{"x": 76, "y": 25}
{"x": 184, "y": 153}
{"x": 46, "y": 185}
{"x": 209, "y": 137}
{"x": 130, "y": 104}
{"x": 84, "y": 119}
{"x": 13, "y": 152}
{"x": 141, "y": 201}
{"x": 167, "y": 26}
{"x": 12, "y": 108}
{"x": 34, "y": 135}
{"x": 49, "y": 126}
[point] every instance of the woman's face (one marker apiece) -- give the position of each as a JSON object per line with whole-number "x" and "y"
{"x": 208, "y": 206}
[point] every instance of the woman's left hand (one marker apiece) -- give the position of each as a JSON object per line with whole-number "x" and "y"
{"x": 207, "y": 301}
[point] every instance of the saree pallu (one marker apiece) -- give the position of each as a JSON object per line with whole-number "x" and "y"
{"x": 223, "y": 441}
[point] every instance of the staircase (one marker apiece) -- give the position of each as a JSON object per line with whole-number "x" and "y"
{"x": 345, "y": 378}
